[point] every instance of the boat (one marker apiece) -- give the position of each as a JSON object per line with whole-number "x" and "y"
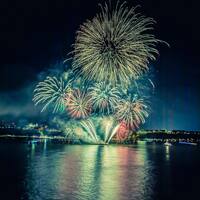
{"x": 188, "y": 143}
{"x": 33, "y": 141}
{"x": 168, "y": 144}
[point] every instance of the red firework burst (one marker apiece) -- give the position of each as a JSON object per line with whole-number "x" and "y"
{"x": 78, "y": 104}
{"x": 122, "y": 132}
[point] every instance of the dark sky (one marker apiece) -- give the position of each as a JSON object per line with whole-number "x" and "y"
{"x": 37, "y": 34}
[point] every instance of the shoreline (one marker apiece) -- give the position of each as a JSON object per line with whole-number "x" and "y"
{"x": 33, "y": 139}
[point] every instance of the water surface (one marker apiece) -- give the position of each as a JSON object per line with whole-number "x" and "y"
{"x": 65, "y": 172}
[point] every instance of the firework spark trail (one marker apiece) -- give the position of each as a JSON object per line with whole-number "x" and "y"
{"x": 108, "y": 124}
{"x": 115, "y": 44}
{"x": 143, "y": 88}
{"x": 90, "y": 128}
{"x": 110, "y": 129}
{"x": 79, "y": 104}
{"x": 52, "y": 92}
{"x": 122, "y": 132}
{"x": 110, "y": 65}
{"x": 104, "y": 98}
{"x": 114, "y": 131}
{"x": 132, "y": 112}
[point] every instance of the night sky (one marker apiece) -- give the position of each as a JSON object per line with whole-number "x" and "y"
{"x": 36, "y": 35}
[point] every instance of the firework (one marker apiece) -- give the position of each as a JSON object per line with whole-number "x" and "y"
{"x": 115, "y": 45}
{"x": 122, "y": 132}
{"x": 104, "y": 97}
{"x": 143, "y": 86}
{"x": 106, "y": 91}
{"x": 52, "y": 93}
{"x": 132, "y": 112}
{"x": 110, "y": 128}
{"x": 100, "y": 129}
{"x": 89, "y": 127}
{"x": 79, "y": 105}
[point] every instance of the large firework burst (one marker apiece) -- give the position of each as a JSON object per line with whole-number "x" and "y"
{"x": 115, "y": 45}
{"x": 79, "y": 105}
{"x": 104, "y": 98}
{"x": 106, "y": 91}
{"x": 132, "y": 112}
{"x": 52, "y": 93}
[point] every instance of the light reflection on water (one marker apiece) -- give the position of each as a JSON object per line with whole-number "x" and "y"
{"x": 73, "y": 172}
{"x": 89, "y": 172}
